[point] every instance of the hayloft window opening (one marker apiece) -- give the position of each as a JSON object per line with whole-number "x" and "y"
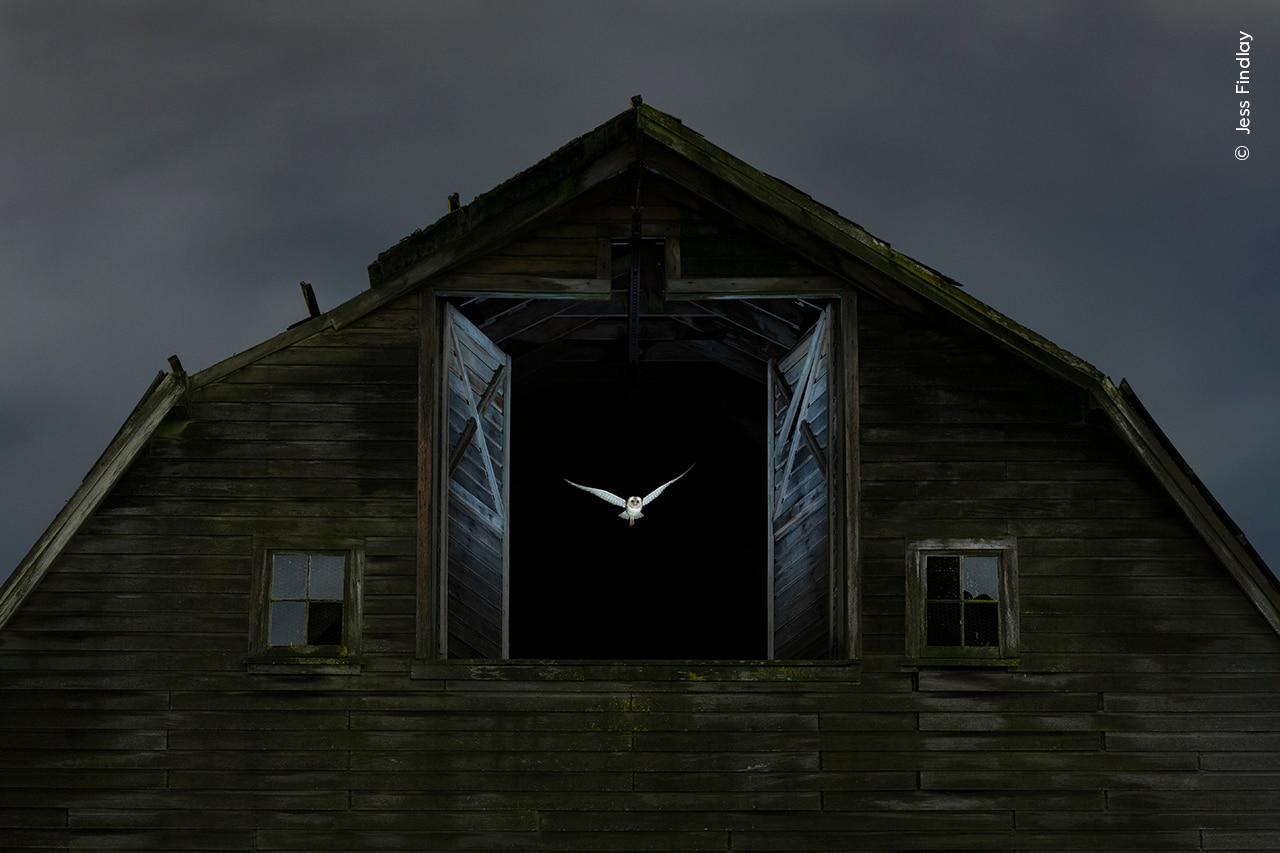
{"x": 962, "y": 600}
{"x": 736, "y": 561}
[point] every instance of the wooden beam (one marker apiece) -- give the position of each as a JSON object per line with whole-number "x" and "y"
{"x": 739, "y": 286}
{"x": 846, "y": 440}
{"x": 429, "y": 637}
{"x": 780, "y": 382}
{"x": 499, "y": 377}
{"x": 811, "y": 440}
{"x": 653, "y": 283}
{"x": 463, "y": 284}
{"x": 751, "y": 318}
{"x": 455, "y": 455}
{"x": 309, "y": 296}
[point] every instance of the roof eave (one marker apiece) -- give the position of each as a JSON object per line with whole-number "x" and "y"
{"x": 871, "y": 262}
{"x": 1202, "y": 511}
{"x": 505, "y": 210}
{"x": 163, "y": 394}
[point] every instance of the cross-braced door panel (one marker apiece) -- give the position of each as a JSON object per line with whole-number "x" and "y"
{"x": 477, "y": 394}
{"x": 801, "y": 595}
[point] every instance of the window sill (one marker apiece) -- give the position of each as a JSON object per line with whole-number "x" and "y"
{"x": 962, "y": 662}
{"x": 303, "y": 665}
{"x": 691, "y": 671}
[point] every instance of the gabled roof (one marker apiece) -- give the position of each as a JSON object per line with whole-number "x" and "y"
{"x": 645, "y": 138}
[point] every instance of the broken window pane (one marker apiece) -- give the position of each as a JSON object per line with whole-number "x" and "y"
{"x": 943, "y": 623}
{"x": 324, "y": 623}
{"x": 982, "y": 578}
{"x": 943, "y": 579}
{"x": 981, "y": 623}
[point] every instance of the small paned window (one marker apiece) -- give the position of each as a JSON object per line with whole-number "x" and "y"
{"x": 962, "y": 600}
{"x": 308, "y": 592}
{"x": 307, "y": 604}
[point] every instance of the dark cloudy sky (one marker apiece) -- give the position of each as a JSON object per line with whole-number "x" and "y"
{"x": 172, "y": 170}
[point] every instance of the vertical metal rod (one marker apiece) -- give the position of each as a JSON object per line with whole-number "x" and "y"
{"x": 633, "y": 294}
{"x": 633, "y": 290}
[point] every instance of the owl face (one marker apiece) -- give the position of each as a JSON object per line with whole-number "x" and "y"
{"x": 633, "y": 504}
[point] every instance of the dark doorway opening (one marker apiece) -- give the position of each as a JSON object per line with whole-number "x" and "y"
{"x": 687, "y": 581}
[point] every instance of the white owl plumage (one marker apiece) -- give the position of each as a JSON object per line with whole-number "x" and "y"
{"x": 630, "y": 506}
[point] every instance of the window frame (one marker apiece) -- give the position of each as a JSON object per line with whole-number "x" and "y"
{"x": 844, "y": 613}
{"x": 917, "y": 648}
{"x": 346, "y": 652}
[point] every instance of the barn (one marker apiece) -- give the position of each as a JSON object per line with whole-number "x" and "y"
{"x": 927, "y": 582}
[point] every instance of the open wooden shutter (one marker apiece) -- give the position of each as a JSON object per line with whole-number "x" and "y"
{"x": 800, "y": 579}
{"x": 477, "y": 399}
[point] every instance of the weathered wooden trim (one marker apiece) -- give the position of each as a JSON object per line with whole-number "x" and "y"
{"x": 847, "y": 435}
{"x": 465, "y": 284}
{"x": 1205, "y": 518}
{"x": 311, "y": 667}
{"x": 621, "y": 229}
{"x": 661, "y": 674}
{"x": 736, "y": 287}
{"x": 775, "y": 381}
{"x": 500, "y": 379}
{"x": 257, "y": 352}
{"x": 491, "y": 219}
{"x": 429, "y": 587}
{"x": 163, "y": 394}
{"x": 505, "y": 372}
{"x": 779, "y": 381}
{"x": 455, "y": 455}
{"x": 811, "y": 441}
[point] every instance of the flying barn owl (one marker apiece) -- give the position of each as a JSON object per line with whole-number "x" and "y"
{"x": 631, "y": 506}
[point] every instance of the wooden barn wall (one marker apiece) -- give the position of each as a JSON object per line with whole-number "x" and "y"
{"x": 1143, "y": 715}
{"x": 127, "y": 710}
{"x": 1147, "y": 702}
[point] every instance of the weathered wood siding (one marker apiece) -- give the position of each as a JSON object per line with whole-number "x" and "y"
{"x": 132, "y": 651}
{"x": 1146, "y": 709}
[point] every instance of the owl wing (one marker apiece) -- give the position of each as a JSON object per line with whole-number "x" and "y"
{"x": 601, "y": 493}
{"x": 654, "y": 494}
